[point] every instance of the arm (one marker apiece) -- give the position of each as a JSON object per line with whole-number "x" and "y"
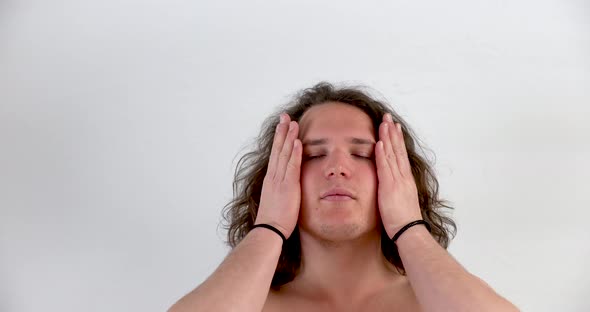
{"x": 242, "y": 281}
{"x": 440, "y": 282}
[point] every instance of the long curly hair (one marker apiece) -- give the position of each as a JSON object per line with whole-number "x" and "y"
{"x": 240, "y": 213}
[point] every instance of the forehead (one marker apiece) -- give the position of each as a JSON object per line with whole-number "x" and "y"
{"x": 335, "y": 120}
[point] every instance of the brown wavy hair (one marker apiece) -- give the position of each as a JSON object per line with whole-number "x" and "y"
{"x": 240, "y": 213}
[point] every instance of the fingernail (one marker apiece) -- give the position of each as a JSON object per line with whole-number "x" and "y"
{"x": 388, "y": 117}
{"x": 281, "y": 118}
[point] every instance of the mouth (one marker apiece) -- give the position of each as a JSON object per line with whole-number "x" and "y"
{"x": 337, "y": 194}
{"x": 337, "y": 198}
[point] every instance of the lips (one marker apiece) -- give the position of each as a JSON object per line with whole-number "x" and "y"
{"x": 337, "y": 192}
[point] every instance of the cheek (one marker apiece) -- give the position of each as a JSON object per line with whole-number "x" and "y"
{"x": 370, "y": 178}
{"x": 309, "y": 193}
{"x": 308, "y": 176}
{"x": 369, "y": 169}
{"x": 312, "y": 183}
{"x": 309, "y": 173}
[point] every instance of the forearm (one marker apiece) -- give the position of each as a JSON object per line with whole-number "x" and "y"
{"x": 242, "y": 281}
{"x": 439, "y": 281}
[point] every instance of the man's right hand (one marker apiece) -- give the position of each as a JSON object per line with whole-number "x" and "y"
{"x": 281, "y": 189}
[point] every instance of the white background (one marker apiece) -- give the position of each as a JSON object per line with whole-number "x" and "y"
{"x": 121, "y": 122}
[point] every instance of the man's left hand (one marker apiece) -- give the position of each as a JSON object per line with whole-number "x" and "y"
{"x": 397, "y": 194}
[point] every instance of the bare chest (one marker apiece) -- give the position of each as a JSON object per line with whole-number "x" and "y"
{"x": 400, "y": 300}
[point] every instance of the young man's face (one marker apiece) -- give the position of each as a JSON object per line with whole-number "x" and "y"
{"x": 346, "y": 161}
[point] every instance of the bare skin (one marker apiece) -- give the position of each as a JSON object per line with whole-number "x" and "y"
{"x": 342, "y": 268}
{"x": 371, "y": 285}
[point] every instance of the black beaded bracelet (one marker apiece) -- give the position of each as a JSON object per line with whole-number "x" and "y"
{"x": 272, "y": 228}
{"x": 409, "y": 225}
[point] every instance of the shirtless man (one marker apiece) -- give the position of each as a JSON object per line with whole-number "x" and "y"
{"x": 337, "y": 180}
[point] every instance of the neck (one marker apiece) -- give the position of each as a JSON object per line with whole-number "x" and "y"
{"x": 354, "y": 268}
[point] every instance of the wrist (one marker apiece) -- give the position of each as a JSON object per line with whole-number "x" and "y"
{"x": 284, "y": 231}
{"x": 407, "y": 226}
{"x": 264, "y": 234}
{"x": 392, "y": 230}
{"x": 418, "y": 231}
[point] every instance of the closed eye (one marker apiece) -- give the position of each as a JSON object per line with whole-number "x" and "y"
{"x": 364, "y": 157}
{"x": 310, "y": 157}
{"x": 314, "y": 157}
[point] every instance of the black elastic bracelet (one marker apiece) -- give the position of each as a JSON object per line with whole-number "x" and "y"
{"x": 272, "y": 228}
{"x": 409, "y": 225}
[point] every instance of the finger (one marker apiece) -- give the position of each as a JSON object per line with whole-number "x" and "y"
{"x": 397, "y": 158}
{"x": 381, "y": 159}
{"x": 277, "y": 145}
{"x": 388, "y": 149}
{"x": 404, "y": 163}
{"x": 294, "y": 166}
{"x": 383, "y": 170}
{"x": 286, "y": 151}
{"x": 395, "y": 148}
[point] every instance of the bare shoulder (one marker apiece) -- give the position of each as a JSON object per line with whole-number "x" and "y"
{"x": 272, "y": 303}
{"x": 399, "y": 297}
{"x": 284, "y": 301}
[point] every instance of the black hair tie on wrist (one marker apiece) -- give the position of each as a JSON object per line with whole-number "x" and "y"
{"x": 272, "y": 228}
{"x": 409, "y": 225}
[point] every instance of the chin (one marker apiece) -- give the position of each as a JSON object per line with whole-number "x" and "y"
{"x": 337, "y": 220}
{"x": 340, "y": 232}
{"x": 337, "y": 232}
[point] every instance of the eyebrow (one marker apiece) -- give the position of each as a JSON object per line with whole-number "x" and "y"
{"x": 356, "y": 141}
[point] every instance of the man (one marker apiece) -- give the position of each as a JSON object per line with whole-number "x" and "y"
{"x": 340, "y": 181}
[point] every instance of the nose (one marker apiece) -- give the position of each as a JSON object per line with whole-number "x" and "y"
{"x": 337, "y": 166}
